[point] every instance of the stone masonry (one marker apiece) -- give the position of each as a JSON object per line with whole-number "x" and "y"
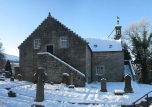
{"x": 56, "y": 67}
{"x": 49, "y": 32}
{"x": 77, "y": 54}
{"x": 113, "y": 63}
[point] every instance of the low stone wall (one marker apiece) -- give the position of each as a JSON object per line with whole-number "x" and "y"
{"x": 55, "y": 68}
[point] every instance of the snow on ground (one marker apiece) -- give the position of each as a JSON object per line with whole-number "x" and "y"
{"x": 59, "y": 95}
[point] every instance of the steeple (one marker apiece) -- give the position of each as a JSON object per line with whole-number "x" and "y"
{"x": 117, "y": 35}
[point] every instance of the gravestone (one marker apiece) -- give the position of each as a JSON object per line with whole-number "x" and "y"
{"x": 71, "y": 81}
{"x": 19, "y": 77}
{"x": 12, "y": 78}
{"x": 41, "y": 76}
{"x": 103, "y": 85}
{"x": 11, "y": 94}
{"x": 128, "y": 87}
{"x": 65, "y": 78}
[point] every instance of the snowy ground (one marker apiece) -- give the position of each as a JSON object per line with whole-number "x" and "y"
{"x": 59, "y": 95}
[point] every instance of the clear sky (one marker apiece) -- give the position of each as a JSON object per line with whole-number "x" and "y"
{"x": 87, "y": 18}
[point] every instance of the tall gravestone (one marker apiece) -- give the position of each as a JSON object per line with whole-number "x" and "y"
{"x": 103, "y": 85}
{"x": 40, "y": 85}
{"x": 128, "y": 87}
{"x": 71, "y": 81}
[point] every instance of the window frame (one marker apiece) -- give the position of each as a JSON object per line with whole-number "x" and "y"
{"x": 37, "y": 44}
{"x": 64, "y": 42}
{"x": 99, "y": 68}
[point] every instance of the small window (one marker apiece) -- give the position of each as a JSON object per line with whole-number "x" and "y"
{"x": 99, "y": 70}
{"x": 36, "y": 43}
{"x": 63, "y": 42}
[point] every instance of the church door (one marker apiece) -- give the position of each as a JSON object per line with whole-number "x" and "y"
{"x": 50, "y": 49}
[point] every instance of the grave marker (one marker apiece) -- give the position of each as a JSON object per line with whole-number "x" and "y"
{"x": 103, "y": 85}
{"x": 128, "y": 87}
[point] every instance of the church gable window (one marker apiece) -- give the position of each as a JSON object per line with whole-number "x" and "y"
{"x": 63, "y": 42}
{"x": 36, "y": 43}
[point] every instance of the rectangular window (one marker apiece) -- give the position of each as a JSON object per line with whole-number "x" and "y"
{"x": 36, "y": 43}
{"x": 99, "y": 70}
{"x": 63, "y": 42}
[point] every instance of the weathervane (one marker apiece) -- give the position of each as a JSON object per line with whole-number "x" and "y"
{"x": 117, "y": 20}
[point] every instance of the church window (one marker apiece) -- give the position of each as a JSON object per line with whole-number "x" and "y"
{"x": 36, "y": 43}
{"x": 99, "y": 70}
{"x": 63, "y": 42}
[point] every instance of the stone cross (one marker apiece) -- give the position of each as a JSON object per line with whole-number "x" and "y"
{"x": 40, "y": 85}
{"x": 128, "y": 87}
{"x": 103, "y": 85}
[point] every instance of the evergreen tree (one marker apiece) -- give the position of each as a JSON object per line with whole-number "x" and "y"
{"x": 127, "y": 55}
{"x": 139, "y": 39}
{"x": 8, "y": 67}
{"x": 2, "y": 57}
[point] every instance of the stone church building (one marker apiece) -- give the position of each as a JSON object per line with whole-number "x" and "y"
{"x": 63, "y": 53}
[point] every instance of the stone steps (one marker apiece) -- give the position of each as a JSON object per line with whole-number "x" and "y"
{"x": 141, "y": 104}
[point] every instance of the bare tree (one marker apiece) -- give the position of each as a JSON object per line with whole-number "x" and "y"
{"x": 138, "y": 35}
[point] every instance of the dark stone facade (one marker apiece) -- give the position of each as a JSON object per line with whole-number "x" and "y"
{"x": 77, "y": 54}
{"x": 113, "y": 63}
{"x": 49, "y": 32}
{"x": 55, "y": 68}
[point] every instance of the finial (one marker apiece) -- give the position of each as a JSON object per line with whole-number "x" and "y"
{"x": 49, "y": 14}
{"x": 117, "y": 20}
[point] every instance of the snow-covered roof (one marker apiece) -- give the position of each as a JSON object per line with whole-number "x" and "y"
{"x": 62, "y": 62}
{"x": 104, "y": 44}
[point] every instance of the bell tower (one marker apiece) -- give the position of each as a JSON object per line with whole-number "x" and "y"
{"x": 117, "y": 35}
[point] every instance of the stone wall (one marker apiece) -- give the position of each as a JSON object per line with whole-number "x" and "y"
{"x": 88, "y": 65}
{"x": 55, "y": 68}
{"x": 49, "y": 32}
{"x": 113, "y": 64}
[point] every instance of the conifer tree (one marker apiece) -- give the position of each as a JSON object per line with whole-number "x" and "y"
{"x": 2, "y": 57}
{"x": 139, "y": 37}
{"x": 8, "y": 67}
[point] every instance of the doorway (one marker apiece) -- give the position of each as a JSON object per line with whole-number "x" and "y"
{"x": 50, "y": 49}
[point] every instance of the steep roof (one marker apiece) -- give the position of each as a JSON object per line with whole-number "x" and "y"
{"x": 103, "y": 44}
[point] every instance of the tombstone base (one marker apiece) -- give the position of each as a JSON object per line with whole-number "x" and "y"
{"x": 128, "y": 90}
{"x": 118, "y": 92}
{"x": 71, "y": 86}
{"x": 103, "y": 90}
{"x": 35, "y": 105}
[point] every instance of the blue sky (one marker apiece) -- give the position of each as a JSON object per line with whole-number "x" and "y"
{"x": 88, "y": 18}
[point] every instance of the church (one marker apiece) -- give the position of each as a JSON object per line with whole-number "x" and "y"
{"x": 61, "y": 51}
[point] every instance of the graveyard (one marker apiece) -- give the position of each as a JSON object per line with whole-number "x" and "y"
{"x": 56, "y": 95}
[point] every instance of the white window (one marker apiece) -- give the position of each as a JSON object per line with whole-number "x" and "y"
{"x": 63, "y": 42}
{"x": 99, "y": 70}
{"x": 36, "y": 43}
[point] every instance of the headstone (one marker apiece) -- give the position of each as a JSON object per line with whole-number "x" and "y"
{"x": 40, "y": 85}
{"x": 71, "y": 78}
{"x": 65, "y": 78}
{"x": 71, "y": 81}
{"x": 128, "y": 87}
{"x": 12, "y": 78}
{"x": 11, "y": 94}
{"x": 103, "y": 85}
{"x": 19, "y": 77}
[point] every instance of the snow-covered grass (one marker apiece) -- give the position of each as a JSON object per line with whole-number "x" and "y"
{"x": 59, "y": 95}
